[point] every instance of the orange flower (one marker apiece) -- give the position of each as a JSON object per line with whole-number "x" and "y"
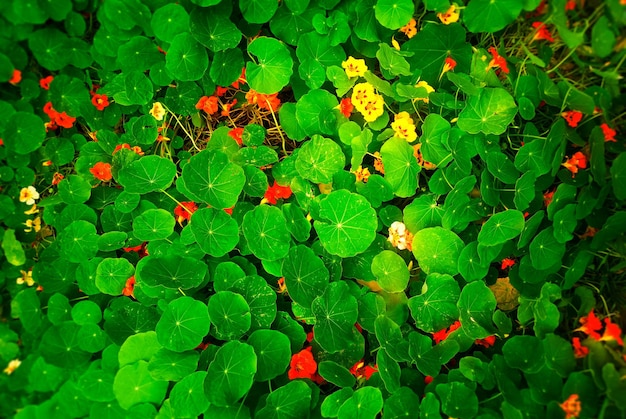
{"x": 570, "y": 5}
{"x": 448, "y": 65}
{"x": 571, "y": 406}
{"x": 267, "y": 102}
{"x": 45, "y": 82}
{"x": 235, "y": 134}
{"x": 542, "y": 32}
{"x": 589, "y": 232}
{"x": 56, "y": 178}
{"x": 578, "y": 161}
{"x": 100, "y": 101}
{"x": 450, "y": 16}
{"x": 362, "y": 175}
{"x": 302, "y": 365}
{"x": 378, "y": 163}
{"x": 276, "y": 192}
{"x": 16, "y": 77}
{"x": 572, "y": 118}
{"x": 507, "y": 263}
{"x": 141, "y": 250}
{"x": 102, "y": 171}
{"x": 409, "y": 29}
{"x": 64, "y": 120}
{"x": 486, "y": 342}
{"x": 612, "y": 332}
{"x": 360, "y": 370}
{"x": 208, "y": 104}
{"x": 547, "y": 198}
{"x": 497, "y": 61}
{"x": 227, "y": 107}
{"x": 609, "y": 133}
{"x": 282, "y": 288}
{"x": 444, "y": 333}
{"x": 184, "y": 210}
{"x": 129, "y": 288}
{"x": 590, "y": 325}
{"x": 346, "y": 107}
{"x": 220, "y": 91}
{"x": 580, "y": 351}
{"x": 49, "y": 110}
{"x": 241, "y": 79}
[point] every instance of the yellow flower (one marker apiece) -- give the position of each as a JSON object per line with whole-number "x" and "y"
{"x": 29, "y": 195}
{"x": 450, "y": 16}
{"x": 409, "y": 29}
{"x": 361, "y": 95}
{"x": 325, "y": 188}
{"x": 26, "y": 278}
{"x": 403, "y": 127}
{"x": 428, "y": 87}
{"x": 373, "y": 109}
{"x": 354, "y": 67}
{"x": 400, "y": 237}
{"x": 32, "y": 210}
{"x": 157, "y": 111}
{"x": 13, "y": 365}
{"x": 395, "y": 44}
{"x": 33, "y": 224}
{"x": 362, "y": 174}
{"x": 378, "y": 163}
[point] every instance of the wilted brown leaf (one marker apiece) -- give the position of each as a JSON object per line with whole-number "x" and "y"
{"x": 506, "y": 295}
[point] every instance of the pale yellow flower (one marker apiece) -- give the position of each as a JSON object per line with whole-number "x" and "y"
{"x": 450, "y": 16}
{"x": 13, "y": 365}
{"x": 33, "y": 224}
{"x": 354, "y": 67}
{"x": 403, "y": 127}
{"x": 400, "y": 237}
{"x": 26, "y": 278}
{"x": 157, "y": 111}
{"x": 428, "y": 87}
{"x": 29, "y": 195}
{"x": 362, "y": 175}
{"x": 32, "y": 210}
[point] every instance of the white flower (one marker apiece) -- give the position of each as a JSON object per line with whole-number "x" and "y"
{"x": 399, "y": 236}
{"x": 29, "y": 195}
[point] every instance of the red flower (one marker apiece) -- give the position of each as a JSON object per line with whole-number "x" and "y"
{"x": 428, "y": 379}
{"x": 235, "y": 134}
{"x": 16, "y": 77}
{"x": 127, "y": 146}
{"x": 161, "y": 50}
{"x": 311, "y": 334}
{"x": 141, "y": 250}
{"x": 184, "y": 210}
{"x": 578, "y": 161}
{"x": 227, "y": 107}
{"x": 507, "y": 263}
{"x": 64, "y": 120}
{"x": 129, "y": 288}
{"x": 241, "y": 79}
{"x": 45, "y": 82}
{"x": 346, "y": 107}
{"x": 580, "y": 351}
{"x": 590, "y": 325}
{"x": 497, "y": 61}
{"x": 444, "y": 333}
{"x": 361, "y": 370}
{"x": 486, "y": 342}
{"x": 572, "y": 118}
{"x": 449, "y": 64}
{"x": 609, "y": 133}
{"x": 100, "y": 101}
{"x": 542, "y": 32}
{"x": 571, "y": 406}
{"x": 547, "y": 198}
{"x": 49, "y": 110}
{"x": 102, "y": 171}
{"x": 302, "y": 365}
{"x": 56, "y": 178}
{"x": 229, "y": 211}
{"x": 570, "y": 5}
{"x": 612, "y": 332}
{"x": 208, "y": 104}
{"x": 276, "y": 192}
{"x": 221, "y": 91}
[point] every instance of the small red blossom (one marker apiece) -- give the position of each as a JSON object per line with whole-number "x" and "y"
{"x": 486, "y": 342}
{"x": 609, "y": 133}
{"x": 240, "y": 79}
{"x": 580, "y": 351}
{"x": 45, "y": 82}
{"x": 94, "y": 88}
{"x": 542, "y": 32}
{"x": 358, "y": 327}
{"x": 129, "y": 288}
{"x": 56, "y": 178}
{"x": 102, "y": 171}
{"x": 161, "y": 50}
{"x": 276, "y": 192}
{"x": 428, "y": 379}
{"x": 572, "y": 118}
{"x": 497, "y": 61}
{"x": 302, "y": 365}
{"x": 591, "y": 325}
{"x": 570, "y": 5}
{"x": 100, "y": 101}
{"x": 220, "y": 91}
{"x": 208, "y": 104}
{"x": 507, "y": 263}
{"x": 16, "y": 77}
{"x": 47, "y": 163}
{"x": 184, "y": 210}
{"x": 444, "y": 333}
{"x": 236, "y": 134}
{"x": 449, "y": 64}
{"x": 589, "y": 232}
{"x": 1, "y": 142}
{"x": 547, "y": 198}
{"x": 229, "y": 211}
{"x": 310, "y": 336}
{"x": 282, "y": 288}
{"x": 202, "y": 346}
{"x": 267, "y": 102}
{"x": 227, "y": 107}
{"x": 360, "y": 370}
{"x": 346, "y": 107}
{"x": 141, "y": 249}
{"x": 612, "y": 332}
{"x": 571, "y": 406}
{"x": 64, "y": 120}
{"x": 577, "y": 161}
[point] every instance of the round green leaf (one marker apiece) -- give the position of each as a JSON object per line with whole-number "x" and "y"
{"x": 230, "y": 315}
{"x": 167, "y": 365}
{"x": 60, "y": 346}
{"x": 273, "y": 352}
{"x": 265, "y": 230}
{"x": 231, "y": 373}
{"x": 394, "y": 14}
{"x": 434, "y": 140}
{"x": 391, "y": 271}
{"x": 545, "y": 250}
{"x": 148, "y": 174}
{"x": 141, "y": 346}
{"x": 402, "y": 404}
{"x": 389, "y": 371}
{"x": 335, "y": 312}
{"x": 74, "y": 189}
{"x": 168, "y": 21}
{"x": 559, "y": 355}
{"x": 435, "y": 308}
{"x": 336, "y": 374}
{"x": 171, "y": 271}
{"x": 290, "y": 401}
{"x": 423, "y": 212}
{"x": 187, "y": 397}
{"x": 215, "y": 231}
{"x": 139, "y": 53}
{"x": 138, "y": 89}
{"x": 524, "y": 353}
{"x": 24, "y": 132}
{"x": 314, "y": 112}
{"x": 501, "y": 227}
{"x": 476, "y": 306}
{"x": 273, "y": 68}
{"x": 457, "y": 400}
{"x": 186, "y": 59}
{"x": 319, "y": 159}
{"x": 112, "y": 240}
{"x": 226, "y": 66}
{"x": 437, "y": 250}
{"x": 618, "y": 176}
{"x": 85, "y": 312}
{"x": 112, "y": 274}
{"x": 261, "y": 299}
{"x": 213, "y": 29}
{"x": 133, "y": 384}
{"x": 153, "y": 224}
{"x": 26, "y": 306}
{"x": 256, "y": 181}
{"x": 79, "y": 241}
{"x": 305, "y": 275}
{"x": 48, "y": 46}
{"x": 258, "y": 11}
{"x": 401, "y": 168}
{"x": 347, "y": 224}
{"x": 183, "y": 324}
{"x": 366, "y": 403}
{"x": 13, "y": 250}
{"x": 471, "y": 267}
{"x": 490, "y": 112}
{"x": 97, "y": 385}
{"x": 210, "y": 177}
{"x": 490, "y": 16}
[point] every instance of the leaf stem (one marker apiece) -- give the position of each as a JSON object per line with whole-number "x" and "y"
{"x": 280, "y": 131}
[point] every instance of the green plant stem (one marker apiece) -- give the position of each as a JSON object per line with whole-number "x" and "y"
{"x": 280, "y": 131}
{"x": 176, "y": 200}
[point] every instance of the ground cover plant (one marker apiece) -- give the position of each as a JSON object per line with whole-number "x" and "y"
{"x": 290, "y": 209}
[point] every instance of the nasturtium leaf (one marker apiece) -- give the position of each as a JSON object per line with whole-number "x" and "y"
{"x": 501, "y": 227}
{"x": 471, "y": 267}
{"x": 305, "y": 275}
{"x": 391, "y": 271}
{"x": 365, "y": 403}
{"x": 435, "y": 309}
{"x": 148, "y": 174}
{"x": 559, "y": 355}
{"x": 210, "y": 177}
{"x": 141, "y": 346}
{"x": 490, "y": 15}
{"x": 180, "y": 99}
{"x": 476, "y": 306}
{"x": 524, "y": 352}
{"x": 171, "y": 271}
{"x": 85, "y": 312}
{"x": 226, "y": 66}
{"x": 392, "y": 61}
{"x": 186, "y": 59}
{"x": 394, "y": 14}
{"x": 133, "y": 384}
{"x": 24, "y": 132}
{"x": 525, "y": 190}
{"x": 298, "y": 225}
{"x": 183, "y": 324}
{"x": 124, "y": 318}
{"x": 230, "y": 315}
{"x": 79, "y": 241}
{"x": 261, "y": 299}
{"x": 91, "y": 338}
{"x": 490, "y": 112}
{"x": 273, "y": 352}
{"x": 215, "y": 231}
{"x": 58, "y": 308}
{"x": 168, "y": 21}
{"x": 26, "y": 306}
{"x": 168, "y": 365}
{"x": 74, "y": 189}
{"x": 315, "y": 114}
{"x": 60, "y": 346}
{"x": 112, "y": 240}
{"x": 435, "y": 148}
{"x": 423, "y": 212}
{"x": 618, "y": 176}
{"x": 336, "y": 374}
{"x": 112, "y": 274}
{"x": 319, "y": 159}
{"x": 389, "y": 371}
{"x": 347, "y": 224}
{"x": 437, "y": 250}
{"x": 48, "y": 45}
{"x": 273, "y": 68}
{"x": 187, "y": 397}
{"x": 213, "y": 29}
{"x": 602, "y": 37}
{"x": 12, "y": 248}
{"x": 291, "y": 401}
{"x": 97, "y": 385}
{"x": 139, "y": 53}
{"x": 565, "y": 223}
{"x": 332, "y": 402}
{"x": 545, "y": 250}
{"x": 265, "y": 230}
{"x": 402, "y": 403}
{"x": 231, "y": 373}
{"x": 335, "y": 312}
{"x": 153, "y": 224}
{"x": 258, "y": 156}
{"x": 501, "y": 167}
{"x": 401, "y": 168}
{"x": 258, "y": 11}
{"x": 457, "y": 400}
